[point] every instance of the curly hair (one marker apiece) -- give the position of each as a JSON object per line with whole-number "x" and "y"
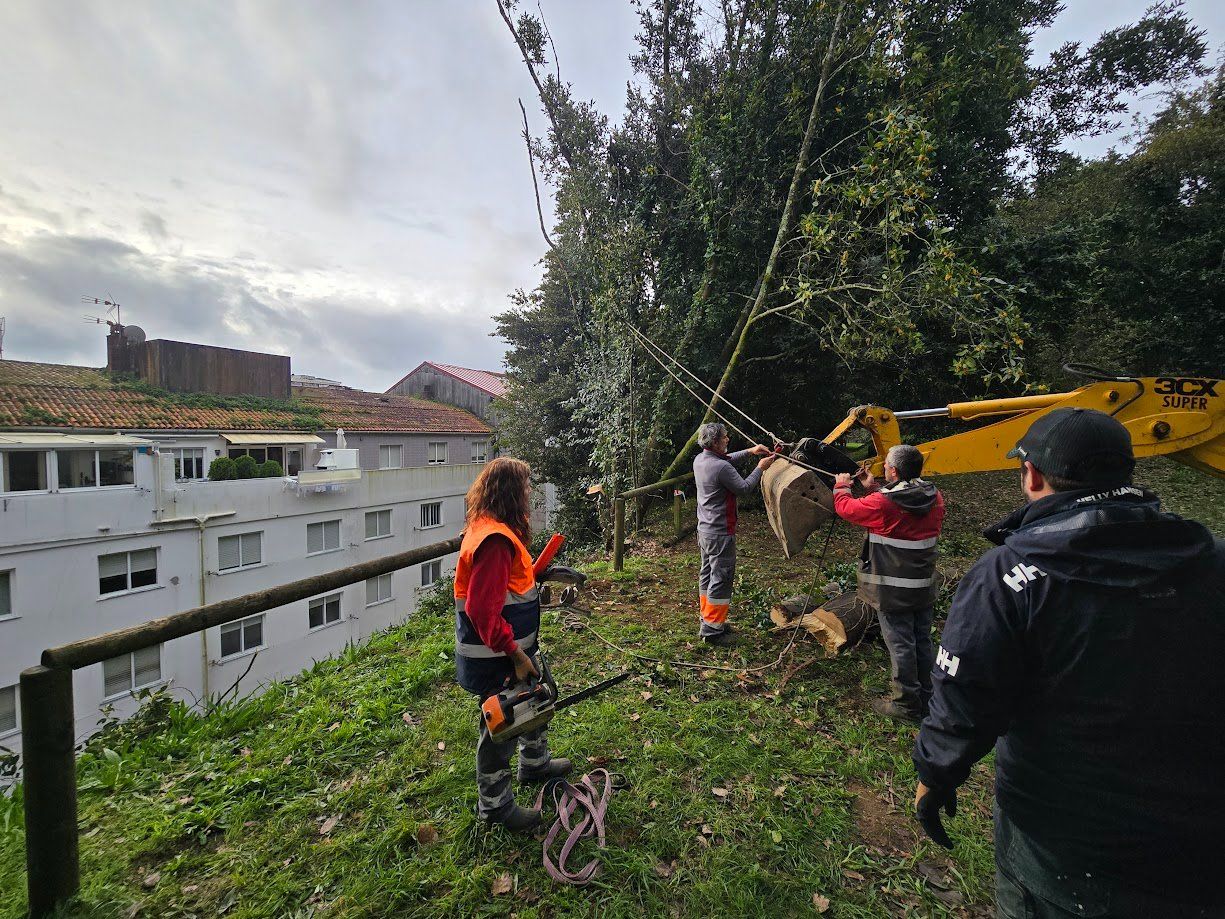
{"x": 501, "y": 492}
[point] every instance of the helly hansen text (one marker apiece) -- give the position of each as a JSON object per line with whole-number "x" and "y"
{"x": 947, "y": 662}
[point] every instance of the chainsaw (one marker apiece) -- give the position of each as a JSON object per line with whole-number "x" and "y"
{"x": 531, "y": 704}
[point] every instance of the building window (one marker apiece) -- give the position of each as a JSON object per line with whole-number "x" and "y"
{"x": 241, "y": 551}
{"x": 123, "y": 571}
{"x": 243, "y": 635}
{"x": 390, "y": 456}
{"x": 8, "y": 709}
{"x": 437, "y": 453}
{"x": 23, "y": 470}
{"x": 378, "y": 590}
{"x": 480, "y": 451}
{"x": 132, "y": 671}
{"x": 427, "y": 391}
{"x": 6, "y": 594}
{"x": 188, "y": 464}
{"x": 322, "y": 537}
{"x": 431, "y": 572}
{"x": 94, "y": 468}
{"x": 293, "y": 460}
{"x": 324, "y": 611}
{"x": 431, "y": 515}
{"x": 378, "y": 524}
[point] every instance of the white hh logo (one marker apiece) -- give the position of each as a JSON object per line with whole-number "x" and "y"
{"x": 1021, "y": 575}
{"x": 947, "y": 662}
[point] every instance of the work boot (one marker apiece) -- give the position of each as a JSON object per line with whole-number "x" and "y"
{"x": 515, "y": 818}
{"x": 555, "y": 768}
{"x": 898, "y": 711}
{"x": 721, "y": 639}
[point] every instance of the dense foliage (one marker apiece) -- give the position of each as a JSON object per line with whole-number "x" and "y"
{"x": 815, "y": 204}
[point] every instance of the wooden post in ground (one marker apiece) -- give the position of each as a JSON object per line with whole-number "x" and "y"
{"x": 618, "y": 534}
{"x": 677, "y": 497}
{"x": 49, "y": 787}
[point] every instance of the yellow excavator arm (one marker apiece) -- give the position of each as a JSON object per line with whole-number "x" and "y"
{"x": 1179, "y": 417}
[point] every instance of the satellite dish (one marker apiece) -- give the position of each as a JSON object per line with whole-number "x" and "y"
{"x": 134, "y": 334}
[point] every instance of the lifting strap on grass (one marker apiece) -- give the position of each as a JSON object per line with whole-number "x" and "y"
{"x": 581, "y": 807}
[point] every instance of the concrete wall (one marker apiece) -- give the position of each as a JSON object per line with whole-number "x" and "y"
{"x": 414, "y": 448}
{"x": 446, "y": 389}
{"x": 51, "y": 544}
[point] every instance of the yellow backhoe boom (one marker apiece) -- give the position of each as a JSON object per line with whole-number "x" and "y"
{"x": 1179, "y": 417}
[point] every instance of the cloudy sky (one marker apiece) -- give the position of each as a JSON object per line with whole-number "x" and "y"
{"x": 342, "y": 182}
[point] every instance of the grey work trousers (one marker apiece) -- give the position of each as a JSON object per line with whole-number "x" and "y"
{"x": 908, "y": 636}
{"x": 494, "y": 793}
{"x": 715, "y": 577}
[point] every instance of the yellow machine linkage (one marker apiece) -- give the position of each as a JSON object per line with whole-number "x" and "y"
{"x": 1179, "y": 417}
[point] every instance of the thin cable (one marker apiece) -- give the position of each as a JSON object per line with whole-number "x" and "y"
{"x": 774, "y": 438}
{"x": 715, "y": 393}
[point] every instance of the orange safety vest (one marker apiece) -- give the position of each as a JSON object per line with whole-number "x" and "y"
{"x": 477, "y": 665}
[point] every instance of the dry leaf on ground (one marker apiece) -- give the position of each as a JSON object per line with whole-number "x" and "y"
{"x": 328, "y": 826}
{"x": 820, "y": 903}
{"x": 502, "y": 884}
{"x": 426, "y": 835}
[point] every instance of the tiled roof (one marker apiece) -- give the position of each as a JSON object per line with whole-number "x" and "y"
{"x": 61, "y": 396}
{"x": 487, "y": 381}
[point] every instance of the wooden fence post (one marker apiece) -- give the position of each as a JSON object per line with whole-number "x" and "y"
{"x": 618, "y": 534}
{"x": 49, "y": 786}
{"x": 677, "y": 497}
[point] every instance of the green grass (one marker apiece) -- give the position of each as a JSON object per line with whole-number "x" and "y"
{"x": 227, "y": 810}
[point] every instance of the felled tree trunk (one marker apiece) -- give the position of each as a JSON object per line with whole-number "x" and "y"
{"x": 838, "y": 623}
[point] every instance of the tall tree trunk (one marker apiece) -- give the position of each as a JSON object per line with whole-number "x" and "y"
{"x": 769, "y": 277}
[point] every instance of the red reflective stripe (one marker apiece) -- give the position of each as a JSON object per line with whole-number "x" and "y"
{"x": 730, "y": 513}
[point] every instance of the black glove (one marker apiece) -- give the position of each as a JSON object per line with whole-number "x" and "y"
{"x": 927, "y": 809}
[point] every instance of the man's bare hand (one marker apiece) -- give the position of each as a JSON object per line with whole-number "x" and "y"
{"x": 867, "y": 479}
{"x": 760, "y": 450}
{"x": 842, "y": 480}
{"x": 767, "y": 461}
{"x": 524, "y": 668}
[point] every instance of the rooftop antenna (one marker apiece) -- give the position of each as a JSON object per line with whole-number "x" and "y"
{"x": 111, "y": 307}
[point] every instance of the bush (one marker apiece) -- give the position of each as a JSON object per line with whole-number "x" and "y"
{"x": 246, "y": 467}
{"x": 270, "y": 470}
{"x": 222, "y": 469}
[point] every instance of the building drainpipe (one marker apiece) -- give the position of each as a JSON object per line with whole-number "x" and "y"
{"x": 200, "y": 521}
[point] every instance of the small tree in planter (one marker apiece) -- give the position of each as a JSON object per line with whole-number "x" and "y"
{"x": 270, "y": 470}
{"x": 222, "y": 469}
{"x": 246, "y": 467}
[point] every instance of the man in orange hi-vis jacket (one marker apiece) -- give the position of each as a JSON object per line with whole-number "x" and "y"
{"x": 718, "y": 484}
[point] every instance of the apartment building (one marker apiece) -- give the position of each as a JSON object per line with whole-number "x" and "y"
{"x": 108, "y": 519}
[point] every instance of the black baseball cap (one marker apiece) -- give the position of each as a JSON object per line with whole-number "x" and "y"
{"x": 1081, "y": 444}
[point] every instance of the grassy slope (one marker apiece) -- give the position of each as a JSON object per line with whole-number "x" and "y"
{"x": 228, "y": 811}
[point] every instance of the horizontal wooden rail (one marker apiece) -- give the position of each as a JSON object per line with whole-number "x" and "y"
{"x": 88, "y": 651}
{"x": 619, "y": 513}
{"x": 647, "y": 489}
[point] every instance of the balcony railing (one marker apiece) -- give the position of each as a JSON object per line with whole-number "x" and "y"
{"x": 48, "y": 742}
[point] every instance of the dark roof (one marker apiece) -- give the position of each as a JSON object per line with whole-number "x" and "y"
{"x": 490, "y": 382}
{"x": 60, "y": 396}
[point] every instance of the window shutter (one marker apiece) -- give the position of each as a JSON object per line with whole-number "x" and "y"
{"x": 8, "y": 709}
{"x": 144, "y": 560}
{"x": 112, "y": 566}
{"x": 371, "y": 525}
{"x": 252, "y": 548}
{"x": 228, "y": 553}
{"x": 314, "y": 537}
{"x": 117, "y": 675}
{"x": 314, "y": 613}
{"x": 331, "y": 534}
{"x": 148, "y": 665}
{"x": 384, "y": 523}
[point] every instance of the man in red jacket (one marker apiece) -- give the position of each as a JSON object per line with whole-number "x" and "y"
{"x": 897, "y": 571}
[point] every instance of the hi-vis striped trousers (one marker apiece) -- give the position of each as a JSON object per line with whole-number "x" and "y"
{"x": 715, "y": 582}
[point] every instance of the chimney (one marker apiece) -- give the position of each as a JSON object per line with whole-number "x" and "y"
{"x": 118, "y": 351}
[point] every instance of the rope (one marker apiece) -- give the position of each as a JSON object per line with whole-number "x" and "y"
{"x": 581, "y": 807}
{"x": 652, "y": 348}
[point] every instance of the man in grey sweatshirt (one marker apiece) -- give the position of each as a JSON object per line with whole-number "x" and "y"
{"x": 718, "y": 485}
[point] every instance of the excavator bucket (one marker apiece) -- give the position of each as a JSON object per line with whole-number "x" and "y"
{"x": 798, "y": 500}
{"x": 797, "y": 503}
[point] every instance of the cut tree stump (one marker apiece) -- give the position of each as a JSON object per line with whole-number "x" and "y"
{"x": 838, "y": 623}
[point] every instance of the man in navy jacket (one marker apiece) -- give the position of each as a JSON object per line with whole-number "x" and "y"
{"x": 1087, "y": 650}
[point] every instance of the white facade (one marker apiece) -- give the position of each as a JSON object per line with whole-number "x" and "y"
{"x": 79, "y": 562}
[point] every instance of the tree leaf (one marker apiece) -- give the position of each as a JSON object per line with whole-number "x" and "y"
{"x": 502, "y": 884}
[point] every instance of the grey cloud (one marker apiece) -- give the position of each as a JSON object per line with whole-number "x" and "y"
{"x": 154, "y": 225}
